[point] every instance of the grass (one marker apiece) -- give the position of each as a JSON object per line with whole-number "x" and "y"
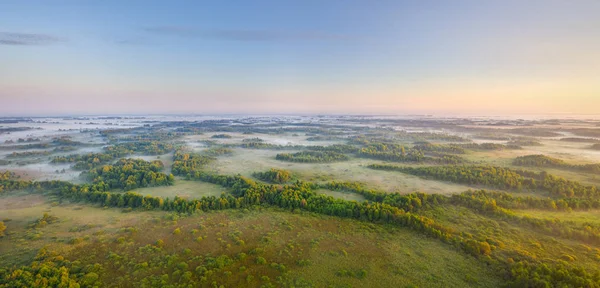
{"x": 520, "y": 240}
{"x": 308, "y": 246}
{"x": 22, "y": 243}
{"x": 349, "y": 196}
{"x": 184, "y": 189}
{"x": 247, "y": 161}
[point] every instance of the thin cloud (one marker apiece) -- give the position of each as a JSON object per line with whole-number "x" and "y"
{"x": 27, "y": 39}
{"x": 241, "y": 35}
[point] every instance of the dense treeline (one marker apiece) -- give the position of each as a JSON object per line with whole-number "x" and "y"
{"x": 390, "y": 152}
{"x": 255, "y": 140}
{"x": 28, "y": 154}
{"x": 85, "y": 161}
{"x": 498, "y": 177}
{"x": 278, "y": 176}
{"x": 217, "y": 151}
{"x": 429, "y": 136}
{"x": 337, "y": 148}
{"x": 221, "y": 136}
{"x": 444, "y": 148}
{"x": 488, "y": 146}
{"x": 139, "y": 134}
{"x": 323, "y": 138}
{"x": 128, "y": 174}
{"x": 509, "y": 201}
{"x": 143, "y": 147}
{"x": 407, "y": 202}
{"x": 482, "y": 175}
{"x": 538, "y": 161}
{"x": 66, "y": 141}
{"x": 263, "y": 145}
{"x": 534, "y": 132}
{"x": 26, "y": 146}
{"x": 546, "y": 161}
{"x": 523, "y": 142}
{"x": 580, "y": 140}
{"x": 312, "y": 157}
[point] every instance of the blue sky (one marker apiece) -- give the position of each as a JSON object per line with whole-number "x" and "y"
{"x": 78, "y": 57}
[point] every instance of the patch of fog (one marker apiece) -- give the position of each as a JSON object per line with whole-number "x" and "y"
{"x": 46, "y": 172}
{"x": 481, "y": 141}
{"x": 87, "y": 150}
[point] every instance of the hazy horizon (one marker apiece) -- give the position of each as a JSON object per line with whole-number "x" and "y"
{"x": 268, "y": 57}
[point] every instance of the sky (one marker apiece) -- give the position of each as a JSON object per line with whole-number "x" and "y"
{"x": 299, "y": 57}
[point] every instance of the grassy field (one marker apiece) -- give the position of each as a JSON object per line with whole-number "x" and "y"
{"x": 349, "y": 196}
{"x": 22, "y": 242}
{"x": 247, "y": 161}
{"x": 295, "y": 247}
{"x": 184, "y": 189}
{"x": 519, "y": 240}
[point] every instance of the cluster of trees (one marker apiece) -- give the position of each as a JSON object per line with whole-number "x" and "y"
{"x": 595, "y": 146}
{"x": 534, "y": 274}
{"x": 278, "y": 176}
{"x": 43, "y": 221}
{"x": 253, "y": 140}
{"x": 47, "y": 270}
{"x": 143, "y": 147}
{"x": 185, "y": 162}
{"x": 408, "y": 202}
{"x": 23, "y": 140}
{"x": 488, "y": 146}
{"x": 84, "y": 161}
{"x": 443, "y": 148}
{"x": 312, "y": 157}
{"x": 337, "y": 148}
{"x": 390, "y": 152}
{"x": 221, "y": 136}
{"x": 263, "y": 145}
{"x": 6, "y": 175}
{"x": 112, "y": 152}
{"x": 128, "y": 174}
